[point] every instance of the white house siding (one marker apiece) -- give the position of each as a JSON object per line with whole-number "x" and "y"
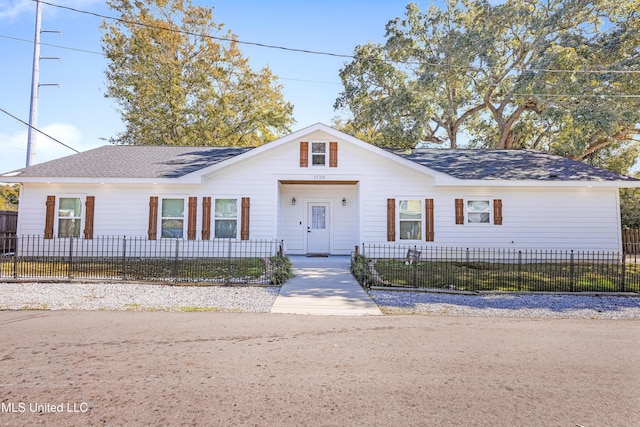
{"x": 544, "y": 217}
{"x": 389, "y": 180}
{"x": 120, "y": 210}
{"x": 534, "y": 218}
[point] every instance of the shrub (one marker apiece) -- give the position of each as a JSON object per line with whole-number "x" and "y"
{"x": 362, "y": 273}
{"x": 281, "y": 270}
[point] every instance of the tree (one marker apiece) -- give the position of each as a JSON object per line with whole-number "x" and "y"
{"x": 178, "y": 82}
{"x": 9, "y": 197}
{"x": 542, "y": 74}
{"x": 418, "y": 87}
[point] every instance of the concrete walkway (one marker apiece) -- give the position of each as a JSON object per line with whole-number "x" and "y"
{"x": 323, "y": 286}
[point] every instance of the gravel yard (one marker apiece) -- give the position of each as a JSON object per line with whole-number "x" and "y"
{"x": 148, "y": 297}
{"x": 510, "y": 305}
{"x": 135, "y": 296}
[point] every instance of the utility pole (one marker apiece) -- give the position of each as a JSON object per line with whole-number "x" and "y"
{"x": 35, "y": 78}
{"x": 35, "y": 85}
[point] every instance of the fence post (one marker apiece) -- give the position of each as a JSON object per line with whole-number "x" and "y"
{"x": 124, "y": 257}
{"x": 624, "y": 272}
{"x": 519, "y": 270}
{"x": 415, "y": 268}
{"x": 571, "y": 273}
{"x": 15, "y": 257}
{"x": 175, "y": 260}
{"x": 70, "y": 263}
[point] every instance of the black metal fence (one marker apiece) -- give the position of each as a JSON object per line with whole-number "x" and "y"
{"x": 478, "y": 269}
{"x": 136, "y": 258}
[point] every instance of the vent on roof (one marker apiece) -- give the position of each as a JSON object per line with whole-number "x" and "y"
{"x": 553, "y": 175}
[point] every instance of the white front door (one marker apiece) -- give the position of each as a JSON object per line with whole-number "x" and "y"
{"x": 318, "y": 230}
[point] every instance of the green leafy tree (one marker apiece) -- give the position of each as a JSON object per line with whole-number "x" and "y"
{"x": 9, "y": 196}
{"x": 179, "y": 79}
{"x": 630, "y": 207}
{"x": 542, "y": 74}
{"x": 418, "y": 86}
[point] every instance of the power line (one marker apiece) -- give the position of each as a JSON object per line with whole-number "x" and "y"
{"x": 189, "y": 33}
{"x": 102, "y": 54}
{"x": 38, "y": 130}
{"x": 53, "y": 45}
{"x": 323, "y": 53}
{"x": 584, "y": 95}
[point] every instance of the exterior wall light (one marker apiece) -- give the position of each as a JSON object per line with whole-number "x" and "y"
{"x": 293, "y": 201}
{"x": 344, "y": 201}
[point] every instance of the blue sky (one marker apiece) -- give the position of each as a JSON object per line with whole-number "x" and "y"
{"x": 78, "y": 114}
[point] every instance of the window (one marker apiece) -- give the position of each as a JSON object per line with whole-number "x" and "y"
{"x": 318, "y": 153}
{"x": 226, "y": 219}
{"x": 69, "y": 216}
{"x": 410, "y": 219}
{"x": 172, "y": 218}
{"x": 478, "y": 211}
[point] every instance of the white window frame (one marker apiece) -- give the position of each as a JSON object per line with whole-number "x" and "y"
{"x": 237, "y": 218}
{"x": 467, "y": 212}
{"x": 326, "y": 153}
{"x": 57, "y": 219}
{"x": 161, "y": 200}
{"x": 399, "y": 201}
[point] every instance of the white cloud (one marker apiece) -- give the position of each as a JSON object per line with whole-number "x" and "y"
{"x": 66, "y": 133}
{"x": 14, "y": 146}
{"x": 14, "y": 151}
{"x": 12, "y": 9}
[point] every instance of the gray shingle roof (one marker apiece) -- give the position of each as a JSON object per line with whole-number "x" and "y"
{"x": 511, "y": 165}
{"x": 127, "y": 161}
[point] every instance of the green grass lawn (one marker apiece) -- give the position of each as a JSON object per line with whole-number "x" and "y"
{"x": 485, "y": 276}
{"x": 203, "y": 270}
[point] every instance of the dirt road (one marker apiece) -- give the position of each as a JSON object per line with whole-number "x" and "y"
{"x": 155, "y": 368}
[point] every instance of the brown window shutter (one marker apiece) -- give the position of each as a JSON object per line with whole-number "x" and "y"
{"x": 49, "y": 217}
{"x": 333, "y": 154}
{"x": 244, "y": 221}
{"x": 88, "y": 217}
{"x": 459, "y": 211}
{"x": 153, "y": 218}
{"x": 428, "y": 203}
{"x": 191, "y": 218}
{"x": 206, "y": 218}
{"x": 497, "y": 212}
{"x": 391, "y": 220}
{"x": 304, "y": 154}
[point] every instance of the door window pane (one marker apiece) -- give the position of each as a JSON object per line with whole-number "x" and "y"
{"x": 319, "y": 217}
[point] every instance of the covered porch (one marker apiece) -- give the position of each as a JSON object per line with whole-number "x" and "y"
{"x": 319, "y": 217}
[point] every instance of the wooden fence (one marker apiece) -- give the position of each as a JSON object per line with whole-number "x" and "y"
{"x": 8, "y": 227}
{"x": 631, "y": 241}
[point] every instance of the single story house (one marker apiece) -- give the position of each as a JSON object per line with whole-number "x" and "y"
{"x": 324, "y": 192}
